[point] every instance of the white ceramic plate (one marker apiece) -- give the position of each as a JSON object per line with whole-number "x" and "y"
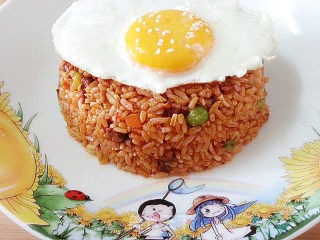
{"x": 279, "y": 170}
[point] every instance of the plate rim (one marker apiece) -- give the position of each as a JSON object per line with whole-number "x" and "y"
{"x": 26, "y": 227}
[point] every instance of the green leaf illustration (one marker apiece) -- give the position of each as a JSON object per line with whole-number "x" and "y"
{"x": 256, "y": 219}
{"x": 44, "y": 179}
{"x": 276, "y": 219}
{"x": 50, "y": 217}
{"x": 48, "y": 190}
{"x": 301, "y": 214}
{"x": 101, "y": 230}
{"x": 262, "y": 233}
{"x": 42, "y": 231}
{"x": 264, "y": 228}
{"x": 27, "y": 126}
{"x": 283, "y": 227}
{"x": 85, "y": 235}
{"x": 66, "y": 227}
{"x": 294, "y": 204}
{"x": 81, "y": 233}
{"x": 106, "y": 233}
{"x": 296, "y": 218}
{"x": 116, "y": 225}
{"x": 36, "y": 144}
{"x": 57, "y": 202}
{"x": 52, "y": 197}
{"x": 20, "y": 112}
{"x": 317, "y": 132}
{"x": 66, "y": 233}
{"x": 186, "y": 237}
{"x": 294, "y": 227}
{"x": 74, "y": 219}
{"x": 97, "y": 225}
{"x": 314, "y": 201}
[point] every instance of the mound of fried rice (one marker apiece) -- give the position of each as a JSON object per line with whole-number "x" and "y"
{"x": 147, "y": 133}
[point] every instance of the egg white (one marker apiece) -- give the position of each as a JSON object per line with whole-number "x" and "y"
{"x": 91, "y": 35}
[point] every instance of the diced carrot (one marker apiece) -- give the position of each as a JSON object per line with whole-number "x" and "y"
{"x": 65, "y": 84}
{"x": 133, "y": 120}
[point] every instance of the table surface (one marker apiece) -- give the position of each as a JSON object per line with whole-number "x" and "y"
{"x": 11, "y": 231}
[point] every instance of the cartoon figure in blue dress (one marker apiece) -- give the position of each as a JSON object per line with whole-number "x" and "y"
{"x": 213, "y": 211}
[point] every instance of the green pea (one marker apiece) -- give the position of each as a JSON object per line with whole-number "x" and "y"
{"x": 229, "y": 145}
{"x": 197, "y": 116}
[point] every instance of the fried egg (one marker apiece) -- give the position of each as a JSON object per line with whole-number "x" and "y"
{"x": 161, "y": 44}
{"x": 169, "y": 40}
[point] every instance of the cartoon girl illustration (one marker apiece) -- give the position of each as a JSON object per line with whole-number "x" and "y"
{"x": 157, "y": 211}
{"x": 214, "y": 210}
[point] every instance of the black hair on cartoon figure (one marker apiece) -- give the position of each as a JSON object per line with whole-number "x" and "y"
{"x": 157, "y": 202}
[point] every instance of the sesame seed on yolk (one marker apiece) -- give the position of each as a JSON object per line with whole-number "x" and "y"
{"x": 169, "y": 40}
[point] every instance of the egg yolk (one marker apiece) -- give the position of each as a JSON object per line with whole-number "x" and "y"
{"x": 169, "y": 40}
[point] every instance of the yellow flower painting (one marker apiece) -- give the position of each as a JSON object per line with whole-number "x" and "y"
{"x": 19, "y": 166}
{"x": 304, "y": 171}
{"x": 241, "y": 220}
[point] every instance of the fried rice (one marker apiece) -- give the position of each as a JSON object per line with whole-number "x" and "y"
{"x": 147, "y": 133}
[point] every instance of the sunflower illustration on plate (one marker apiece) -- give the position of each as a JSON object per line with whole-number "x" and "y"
{"x": 19, "y": 165}
{"x": 304, "y": 171}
